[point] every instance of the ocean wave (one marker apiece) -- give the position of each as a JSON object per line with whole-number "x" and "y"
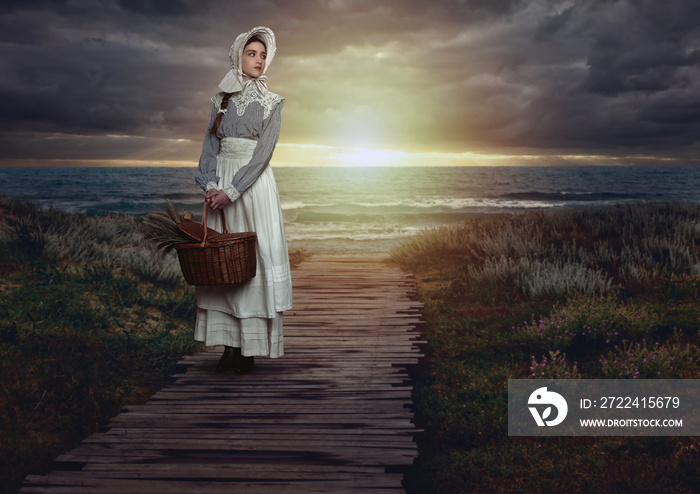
{"x": 455, "y": 203}
{"x": 343, "y": 231}
{"x": 566, "y": 196}
{"x": 408, "y": 204}
{"x": 380, "y": 216}
{"x": 292, "y": 205}
{"x": 368, "y": 209}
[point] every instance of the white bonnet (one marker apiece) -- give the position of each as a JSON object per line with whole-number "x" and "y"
{"x": 233, "y": 80}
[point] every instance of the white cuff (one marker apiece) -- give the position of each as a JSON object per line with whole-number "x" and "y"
{"x": 232, "y": 193}
{"x": 211, "y": 185}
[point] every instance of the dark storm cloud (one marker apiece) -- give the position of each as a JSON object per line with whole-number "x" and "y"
{"x": 12, "y": 5}
{"x": 591, "y": 75}
{"x": 97, "y": 86}
{"x": 599, "y": 76}
{"x": 642, "y": 62}
{"x": 92, "y": 80}
{"x": 156, "y": 7}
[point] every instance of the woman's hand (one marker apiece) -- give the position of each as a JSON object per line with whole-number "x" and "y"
{"x": 217, "y": 199}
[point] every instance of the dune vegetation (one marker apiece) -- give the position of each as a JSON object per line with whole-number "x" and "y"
{"x": 552, "y": 294}
{"x": 91, "y": 318}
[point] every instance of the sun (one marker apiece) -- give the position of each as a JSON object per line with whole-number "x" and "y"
{"x": 369, "y": 157}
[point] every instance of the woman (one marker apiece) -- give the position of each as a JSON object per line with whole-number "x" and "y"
{"x": 246, "y": 318}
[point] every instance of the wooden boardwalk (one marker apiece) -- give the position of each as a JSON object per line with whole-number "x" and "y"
{"x": 332, "y": 415}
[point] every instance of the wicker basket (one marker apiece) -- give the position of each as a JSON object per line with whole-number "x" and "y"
{"x": 228, "y": 258}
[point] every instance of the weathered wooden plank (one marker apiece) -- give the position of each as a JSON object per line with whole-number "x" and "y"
{"x": 332, "y": 415}
{"x": 143, "y": 486}
{"x": 242, "y": 435}
{"x": 197, "y": 472}
{"x": 254, "y": 469}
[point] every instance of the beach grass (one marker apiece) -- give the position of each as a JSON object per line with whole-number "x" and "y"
{"x": 91, "y": 319}
{"x": 569, "y": 293}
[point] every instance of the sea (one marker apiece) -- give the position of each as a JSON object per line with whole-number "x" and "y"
{"x": 361, "y": 210}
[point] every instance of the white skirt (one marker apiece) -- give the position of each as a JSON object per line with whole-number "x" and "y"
{"x": 248, "y": 315}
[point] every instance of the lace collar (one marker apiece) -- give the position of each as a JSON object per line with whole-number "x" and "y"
{"x": 268, "y": 101}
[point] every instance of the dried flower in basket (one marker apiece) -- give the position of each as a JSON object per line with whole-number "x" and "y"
{"x": 161, "y": 229}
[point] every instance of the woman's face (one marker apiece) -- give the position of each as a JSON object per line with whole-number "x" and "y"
{"x": 253, "y": 62}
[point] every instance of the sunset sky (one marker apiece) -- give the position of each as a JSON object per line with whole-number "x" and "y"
{"x": 401, "y": 82}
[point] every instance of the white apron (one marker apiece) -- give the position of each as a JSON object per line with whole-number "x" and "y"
{"x": 248, "y": 315}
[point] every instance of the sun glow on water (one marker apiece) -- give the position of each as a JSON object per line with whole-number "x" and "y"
{"x": 287, "y": 154}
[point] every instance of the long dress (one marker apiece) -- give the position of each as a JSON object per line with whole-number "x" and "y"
{"x": 236, "y": 159}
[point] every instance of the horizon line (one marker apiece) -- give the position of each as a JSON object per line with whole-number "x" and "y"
{"x": 544, "y": 162}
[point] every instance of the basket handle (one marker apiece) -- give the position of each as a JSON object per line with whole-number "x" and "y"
{"x": 204, "y": 222}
